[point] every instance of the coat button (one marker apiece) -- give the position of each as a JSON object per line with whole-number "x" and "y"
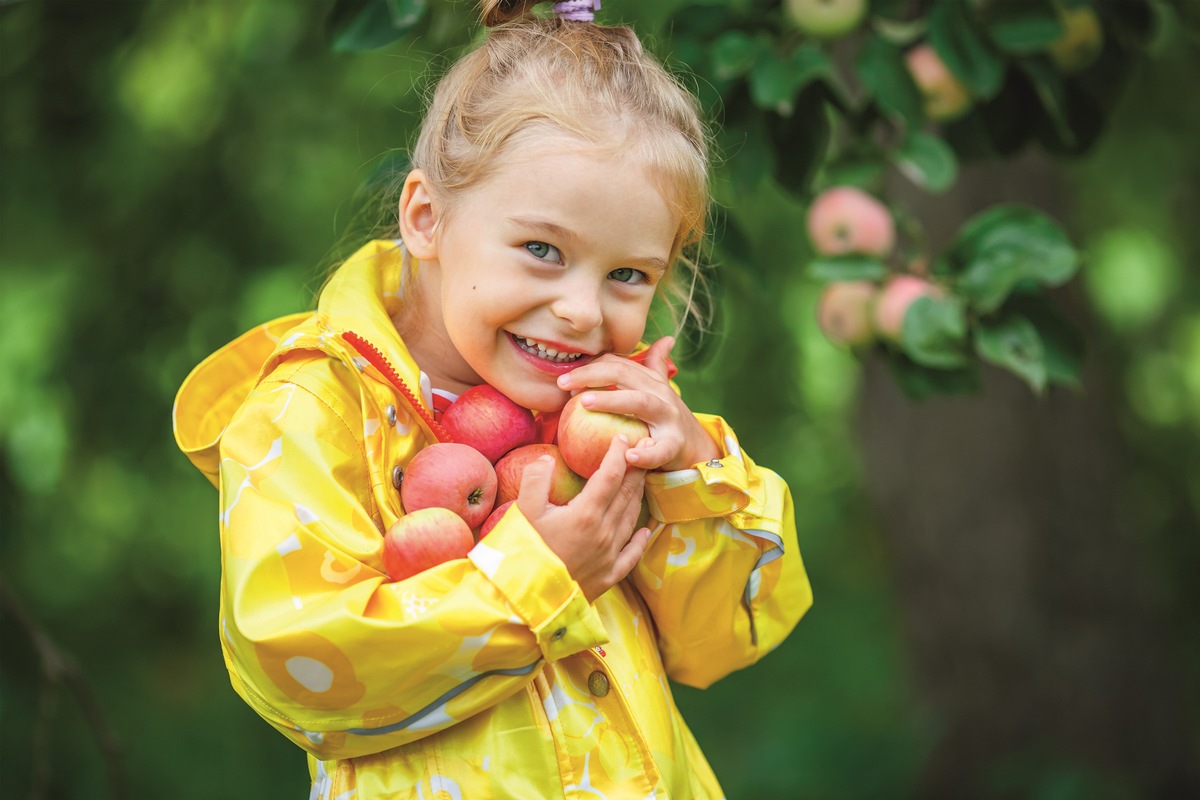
{"x": 561, "y": 632}
{"x": 397, "y": 476}
{"x": 715, "y": 464}
{"x": 391, "y": 416}
{"x": 598, "y": 683}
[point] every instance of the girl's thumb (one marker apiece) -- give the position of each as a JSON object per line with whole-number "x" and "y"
{"x": 535, "y": 484}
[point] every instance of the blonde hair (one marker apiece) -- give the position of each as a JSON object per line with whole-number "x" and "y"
{"x": 532, "y": 74}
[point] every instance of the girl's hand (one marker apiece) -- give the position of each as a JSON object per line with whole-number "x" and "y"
{"x": 591, "y": 533}
{"x": 677, "y": 440}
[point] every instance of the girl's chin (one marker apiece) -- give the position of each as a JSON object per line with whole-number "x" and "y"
{"x": 547, "y": 399}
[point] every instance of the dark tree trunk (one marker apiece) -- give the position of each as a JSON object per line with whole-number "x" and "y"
{"x": 1026, "y": 591}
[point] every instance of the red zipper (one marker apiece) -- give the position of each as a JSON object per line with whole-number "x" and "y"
{"x": 371, "y": 353}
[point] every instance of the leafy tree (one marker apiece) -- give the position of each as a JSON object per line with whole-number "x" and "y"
{"x": 172, "y": 172}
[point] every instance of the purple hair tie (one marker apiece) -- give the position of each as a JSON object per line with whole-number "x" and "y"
{"x": 577, "y": 10}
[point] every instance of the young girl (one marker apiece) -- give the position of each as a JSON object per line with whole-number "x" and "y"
{"x": 558, "y": 175}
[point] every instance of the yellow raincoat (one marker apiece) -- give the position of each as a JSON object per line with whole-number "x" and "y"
{"x": 485, "y": 677}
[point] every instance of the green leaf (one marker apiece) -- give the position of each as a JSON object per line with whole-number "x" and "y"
{"x": 771, "y": 84}
{"x": 882, "y": 70}
{"x": 1008, "y": 244}
{"x": 927, "y": 161}
{"x": 357, "y": 25}
{"x": 1052, "y": 91}
{"x": 921, "y": 383}
{"x": 775, "y": 79}
{"x": 934, "y": 332}
{"x": 954, "y": 35}
{"x": 734, "y": 53}
{"x": 847, "y": 268}
{"x": 1024, "y": 27}
{"x": 809, "y": 62}
{"x": 1013, "y": 343}
{"x": 1062, "y": 341}
{"x": 865, "y": 173}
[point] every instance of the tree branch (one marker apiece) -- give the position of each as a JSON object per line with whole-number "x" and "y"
{"x": 57, "y": 667}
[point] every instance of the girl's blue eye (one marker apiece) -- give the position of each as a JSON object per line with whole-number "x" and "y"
{"x": 547, "y": 252}
{"x": 628, "y": 275}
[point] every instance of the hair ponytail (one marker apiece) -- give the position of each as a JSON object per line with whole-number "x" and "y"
{"x": 498, "y": 12}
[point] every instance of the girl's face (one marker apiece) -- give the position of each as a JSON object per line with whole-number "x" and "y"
{"x": 549, "y": 263}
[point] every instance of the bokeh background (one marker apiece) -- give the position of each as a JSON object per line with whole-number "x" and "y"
{"x": 1006, "y": 603}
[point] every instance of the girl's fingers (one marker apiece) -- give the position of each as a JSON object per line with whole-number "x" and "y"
{"x": 657, "y": 356}
{"x": 631, "y": 553}
{"x": 650, "y": 454}
{"x": 611, "y": 371}
{"x": 606, "y": 481}
{"x": 640, "y": 404}
{"x": 534, "y": 493}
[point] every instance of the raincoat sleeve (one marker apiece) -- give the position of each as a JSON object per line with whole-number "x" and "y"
{"x": 316, "y": 638}
{"x": 722, "y": 575}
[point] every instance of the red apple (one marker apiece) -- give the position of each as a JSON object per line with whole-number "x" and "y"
{"x": 945, "y": 96}
{"x": 826, "y": 19}
{"x": 493, "y": 518}
{"x": 564, "y": 484}
{"x": 422, "y": 539}
{"x": 454, "y": 476}
{"x": 844, "y": 312}
{"x": 584, "y": 436}
{"x": 844, "y": 219}
{"x": 487, "y": 420}
{"x": 894, "y": 300}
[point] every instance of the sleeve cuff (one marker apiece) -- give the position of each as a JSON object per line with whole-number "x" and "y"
{"x": 710, "y": 489}
{"x": 538, "y": 588}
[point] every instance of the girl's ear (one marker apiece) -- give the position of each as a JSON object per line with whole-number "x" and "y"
{"x": 418, "y": 218}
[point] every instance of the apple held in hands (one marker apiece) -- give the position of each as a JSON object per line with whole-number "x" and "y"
{"x": 423, "y": 539}
{"x": 564, "y": 483}
{"x": 584, "y": 436}
{"x": 452, "y": 476}
{"x": 487, "y": 420}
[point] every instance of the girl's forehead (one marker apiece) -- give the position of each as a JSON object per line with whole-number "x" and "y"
{"x": 538, "y": 142}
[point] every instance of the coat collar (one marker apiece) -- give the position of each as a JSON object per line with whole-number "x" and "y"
{"x": 359, "y": 299}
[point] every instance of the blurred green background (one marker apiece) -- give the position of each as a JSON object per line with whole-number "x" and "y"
{"x": 1005, "y": 593}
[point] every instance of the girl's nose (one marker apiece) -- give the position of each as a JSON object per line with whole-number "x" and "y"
{"x": 579, "y": 306}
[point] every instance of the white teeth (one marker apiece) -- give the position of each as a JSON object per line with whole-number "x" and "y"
{"x": 548, "y": 353}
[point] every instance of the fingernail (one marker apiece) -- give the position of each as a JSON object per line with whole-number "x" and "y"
{"x": 623, "y": 438}
{"x": 588, "y": 400}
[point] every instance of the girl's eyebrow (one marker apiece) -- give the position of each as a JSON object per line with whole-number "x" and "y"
{"x": 559, "y": 233}
{"x": 545, "y": 226}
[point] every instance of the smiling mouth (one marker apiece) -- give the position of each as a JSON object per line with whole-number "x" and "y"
{"x": 533, "y": 347}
